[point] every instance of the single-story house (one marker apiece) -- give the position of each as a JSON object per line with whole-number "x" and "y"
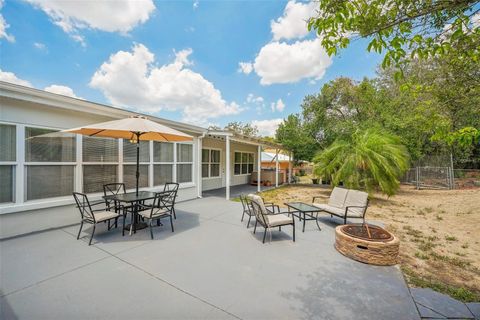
{"x": 39, "y": 174}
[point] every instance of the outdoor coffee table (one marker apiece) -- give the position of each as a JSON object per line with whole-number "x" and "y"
{"x": 133, "y": 200}
{"x": 305, "y": 212}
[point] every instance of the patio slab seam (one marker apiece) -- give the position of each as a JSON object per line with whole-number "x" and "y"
{"x": 53, "y": 277}
{"x": 171, "y": 284}
{"x": 150, "y": 274}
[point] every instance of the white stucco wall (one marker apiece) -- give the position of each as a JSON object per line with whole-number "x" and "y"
{"x": 215, "y": 183}
{"x": 29, "y": 216}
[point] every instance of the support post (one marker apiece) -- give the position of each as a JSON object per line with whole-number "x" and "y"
{"x": 227, "y": 168}
{"x": 137, "y": 174}
{"x": 290, "y": 168}
{"x": 259, "y": 168}
{"x": 276, "y": 168}
{"x": 199, "y": 167}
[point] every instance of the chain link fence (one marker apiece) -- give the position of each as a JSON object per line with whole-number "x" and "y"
{"x": 437, "y": 172}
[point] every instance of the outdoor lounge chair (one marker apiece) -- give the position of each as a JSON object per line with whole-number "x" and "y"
{"x": 344, "y": 203}
{"x": 93, "y": 216}
{"x": 269, "y": 219}
{"x": 160, "y": 208}
{"x": 247, "y": 208}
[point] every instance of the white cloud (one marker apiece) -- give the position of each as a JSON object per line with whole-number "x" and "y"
{"x": 111, "y": 16}
{"x": 54, "y": 88}
{"x": 40, "y": 46}
{"x": 63, "y": 90}
{"x": 133, "y": 79}
{"x": 195, "y": 4}
{"x": 252, "y": 99}
{"x": 257, "y": 102}
{"x": 279, "y": 62}
{"x": 245, "y": 67}
{"x": 12, "y": 78}
{"x": 4, "y": 26}
{"x": 277, "y": 106}
{"x": 267, "y": 127}
{"x": 293, "y": 23}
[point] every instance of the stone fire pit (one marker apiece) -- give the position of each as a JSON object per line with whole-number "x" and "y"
{"x": 367, "y": 243}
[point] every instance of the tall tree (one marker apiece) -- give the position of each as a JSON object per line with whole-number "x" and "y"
{"x": 404, "y": 29}
{"x": 293, "y": 135}
{"x": 245, "y": 129}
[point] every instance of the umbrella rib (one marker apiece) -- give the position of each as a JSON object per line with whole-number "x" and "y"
{"x": 93, "y": 134}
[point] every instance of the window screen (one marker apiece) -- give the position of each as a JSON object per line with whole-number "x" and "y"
{"x": 95, "y": 176}
{"x": 184, "y": 152}
{"x": 45, "y": 181}
{"x": 162, "y": 173}
{"x": 130, "y": 151}
{"x": 162, "y": 152}
{"x": 6, "y": 183}
{"x": 129, "y": 176}
{"x": 184, "y": 173}
{"x": 8, "y": 142}
{"x": 100, "y": 149}
{"x": 59, "y": 148}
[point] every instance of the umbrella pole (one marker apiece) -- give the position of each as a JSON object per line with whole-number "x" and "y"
{"x": 138, "y": 162}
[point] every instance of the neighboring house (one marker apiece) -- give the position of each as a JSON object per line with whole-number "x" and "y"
{"x": 285, "y": 164}
{"x": 37, "y": 174}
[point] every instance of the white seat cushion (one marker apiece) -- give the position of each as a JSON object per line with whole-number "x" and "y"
{"x": 337, "y": 198}
{"x": 156, "y": 213}
{"x": 356, "y": 198}
{"x": 278, "y": 220}
{"x": 330, "y": 209}
{"x": 105, "y": 215}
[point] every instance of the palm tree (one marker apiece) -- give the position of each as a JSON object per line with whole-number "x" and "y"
{"x": 370, "y": 159}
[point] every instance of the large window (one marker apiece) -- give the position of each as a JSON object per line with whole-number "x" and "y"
{"x": 49, "y": 163}
{"x": 8, "y": 158}
{"x": 210, "y": 163}
{"x": 243, "y": 163}
{"x": 100, "y": 163}
{"x": 184, "y": 162}
{"x": 163, "y": 163}
{"x": 129, "y": 176}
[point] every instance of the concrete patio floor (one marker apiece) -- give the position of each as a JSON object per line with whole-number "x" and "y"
{"x": 211, "y": 267}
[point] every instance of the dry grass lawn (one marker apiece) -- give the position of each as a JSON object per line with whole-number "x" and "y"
{"x": 438, "y": 229}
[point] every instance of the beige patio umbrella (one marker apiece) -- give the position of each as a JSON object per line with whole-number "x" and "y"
{"x": 135, "y": 129}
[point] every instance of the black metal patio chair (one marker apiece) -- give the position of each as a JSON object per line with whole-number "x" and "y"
{"x": 93, "y": 216}
{"x": 160, "y": 208}
{"x": 172, "y": 198}
{"x": 112, "y": 189}
{"x": 246, "y": 209}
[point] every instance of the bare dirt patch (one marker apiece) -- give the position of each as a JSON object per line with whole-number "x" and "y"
{"x": 438, "y": 229}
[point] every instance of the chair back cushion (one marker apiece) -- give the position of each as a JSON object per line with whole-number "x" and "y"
{"x": 356, "y": 198}
{"x": 337, "y": 198}
{"x": 258, "y": 208}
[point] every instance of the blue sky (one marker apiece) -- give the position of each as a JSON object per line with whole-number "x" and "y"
{"x": 178, "y": 60}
